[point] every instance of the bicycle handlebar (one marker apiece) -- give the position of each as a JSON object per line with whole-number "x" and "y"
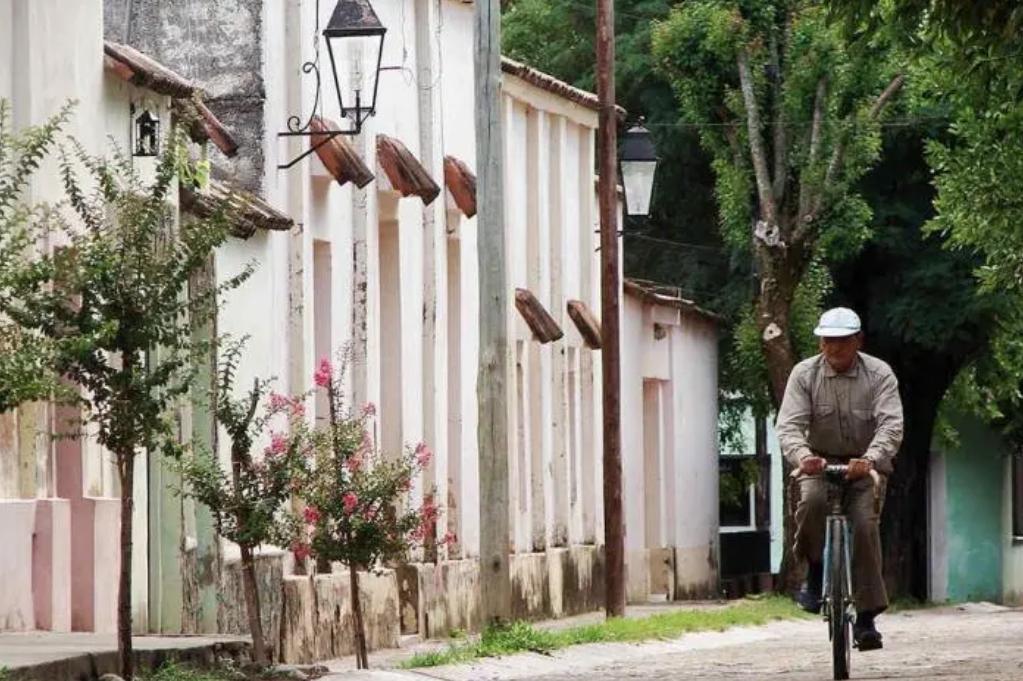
{"x": 842, "y": 469}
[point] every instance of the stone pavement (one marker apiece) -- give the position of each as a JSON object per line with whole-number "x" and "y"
{"x": 974, "y": 642}
{"x": 58, "y": 657}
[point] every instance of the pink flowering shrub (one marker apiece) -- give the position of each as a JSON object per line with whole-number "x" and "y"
{"x": 362, "y": 498}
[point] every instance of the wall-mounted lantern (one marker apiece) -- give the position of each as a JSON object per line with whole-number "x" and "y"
{"x": 639, "y": 164}
{"x": 147, "y": 134}
{"x": 353, "y": 33}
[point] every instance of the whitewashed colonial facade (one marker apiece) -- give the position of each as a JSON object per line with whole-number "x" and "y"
{"x": 389, "y": 272}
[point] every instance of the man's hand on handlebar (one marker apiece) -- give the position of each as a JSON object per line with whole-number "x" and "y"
{"x": 812, "y": 465}
{"x": 859, "y": 468}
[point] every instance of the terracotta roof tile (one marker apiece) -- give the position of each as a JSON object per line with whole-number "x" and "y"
{"x": 249, "y": 212}
{"x": 141, "y": 70}
{"x": 540, "y": 321}
{"x": 586, "y": 322}
{"x": 553, "y": 85}
{"x": 461, "y": 182}
{"x": 406, "y": 174}
{"x": 337, "y": 156}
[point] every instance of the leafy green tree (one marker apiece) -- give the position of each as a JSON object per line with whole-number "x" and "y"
{"x": 923, "y": 312}
{"x": 790, "y": 116}
{"x": 25, "y": 356}
{"x": 248, "y": 501}
{"x": 116, "y": 306}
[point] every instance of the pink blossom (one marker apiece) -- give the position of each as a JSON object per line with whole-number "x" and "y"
{"x": 429, "y": 510}
{"x": 449, "y": 538}
{"x": 324, "y": 374}
{"x": 278, "y": 444}
{"x": 354, "y": 463}
{"x": 301, "y": 550}
{"x": 369, "y": 409}
{"x": 423, "y": 455}
{"x": 297, "y": 409}
{"x": 311, "y": 515}
{"x": 350, "y": 501}
{"x": 366, "y": 445}
{"x": 278, "y": 401}
{"x": 418, "y": 534}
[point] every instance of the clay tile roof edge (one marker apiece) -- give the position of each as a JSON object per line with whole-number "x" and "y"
{"x": 406, "y": 174}
{"x": 338, "y": 156}
{"x": 252, "y": 212}
{"x": 141, "y": 70}
{"x": 461, "y": 182}
{"x": 653, "y": 293}
{"x": 551, "y": 84}
{"x": 586, "y": 322}
{"x": 539, "y": 320}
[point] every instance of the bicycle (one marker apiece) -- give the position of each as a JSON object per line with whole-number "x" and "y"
{"x": 837, "y": 603}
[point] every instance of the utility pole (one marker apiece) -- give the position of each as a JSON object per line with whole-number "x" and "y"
{"x": 607, "y": 151}
{"x": 495, "y": 581}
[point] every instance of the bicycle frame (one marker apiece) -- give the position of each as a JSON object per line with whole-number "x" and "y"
{"x": 837, "y": 517}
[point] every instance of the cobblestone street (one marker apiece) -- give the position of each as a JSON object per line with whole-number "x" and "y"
{"x": 978, "y": 642}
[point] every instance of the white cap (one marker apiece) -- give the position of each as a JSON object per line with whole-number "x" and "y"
{"x": 838, "y": 322}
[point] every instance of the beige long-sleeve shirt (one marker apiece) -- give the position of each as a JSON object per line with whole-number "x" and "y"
{"x": 850, "y": 415}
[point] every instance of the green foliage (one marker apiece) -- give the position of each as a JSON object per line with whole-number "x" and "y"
{"x": 523, "y": 637}
{"x": 733, "y": 486}
{"x": 248, "y": 499}
{"x": 120, "y": 312}
{"x": 25, "y": 355}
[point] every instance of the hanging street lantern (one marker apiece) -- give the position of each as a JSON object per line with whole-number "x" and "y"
{"x": 639, "y": 163}
{"x": 354, "y": 26}
{"x": 147, "y": 134}
{"x": 355, "y": 43}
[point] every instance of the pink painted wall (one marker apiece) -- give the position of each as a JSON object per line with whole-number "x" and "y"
{"x": 17, "y": 521}
{"x": 51, "y": 565}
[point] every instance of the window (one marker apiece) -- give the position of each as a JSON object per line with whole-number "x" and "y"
{"x": 1017, "y": 495}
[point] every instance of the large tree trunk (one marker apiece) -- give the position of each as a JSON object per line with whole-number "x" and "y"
{"x": 259, "y": 654}
{"x": 780, "y": 273}
{"x": 924, "y": 378}
{"x": 126, "y": 468}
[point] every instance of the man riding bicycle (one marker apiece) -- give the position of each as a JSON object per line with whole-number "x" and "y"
{"x": 842, "y": 406}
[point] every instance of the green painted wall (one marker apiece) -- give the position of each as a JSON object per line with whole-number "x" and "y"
{"x": 974, "y": 482}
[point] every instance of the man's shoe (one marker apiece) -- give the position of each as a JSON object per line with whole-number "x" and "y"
{"x": 809, "y": 597}
{"x": 865, "y": 634}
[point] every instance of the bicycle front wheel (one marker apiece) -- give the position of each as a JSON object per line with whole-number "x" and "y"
{"x": 838, "y": 597}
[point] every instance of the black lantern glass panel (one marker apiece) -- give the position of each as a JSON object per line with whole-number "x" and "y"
{"x": 355, "y": 41}
{"x": 639, "y": 163}
{"x": 147, "y": 134}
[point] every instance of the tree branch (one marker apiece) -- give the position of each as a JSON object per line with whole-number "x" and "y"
{"x": 768, "y": 208}
{"x": 780, "y": 142}
{"x": 839, "y": 155}
{"x": 875, "y": 111}
{"x": 815, "y": 145}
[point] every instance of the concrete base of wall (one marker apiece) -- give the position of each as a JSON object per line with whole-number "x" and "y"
{"x": 439, "y": 599}
{"x": 696, "y": 573}
{"x": 317, "y": 621}
{"x": 557, "y": 583}
{"x": 232, "y": 617}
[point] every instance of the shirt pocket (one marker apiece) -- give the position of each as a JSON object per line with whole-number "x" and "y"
{"x": 863, "y": 425}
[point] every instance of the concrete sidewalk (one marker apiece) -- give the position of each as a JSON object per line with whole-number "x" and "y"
{"x": 46, "y": 656}
{"x": 82, "y": 657}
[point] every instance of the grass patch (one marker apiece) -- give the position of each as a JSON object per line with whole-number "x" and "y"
{"x": 176, "y": 672}
{"x": 523, "y": 637}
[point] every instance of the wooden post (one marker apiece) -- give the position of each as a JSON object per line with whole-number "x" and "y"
{"x": 495, "y": 583}
{"x": 607, "y": 151}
